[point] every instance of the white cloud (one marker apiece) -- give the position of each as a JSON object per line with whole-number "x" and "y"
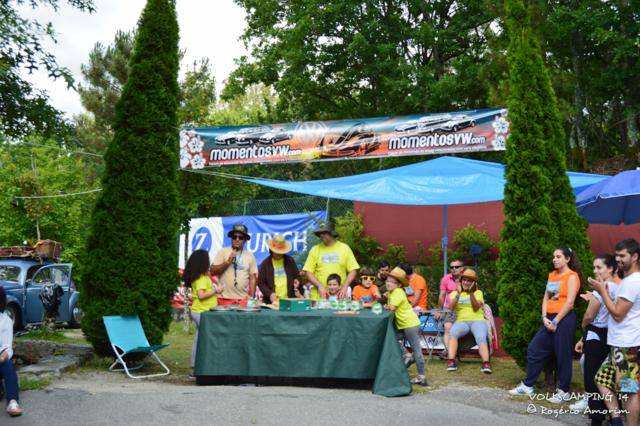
{"x": 208, "y": 28}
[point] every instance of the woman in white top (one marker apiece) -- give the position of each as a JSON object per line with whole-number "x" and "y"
{"x": 7, "y": 369}
{"x": 594, "y": 339}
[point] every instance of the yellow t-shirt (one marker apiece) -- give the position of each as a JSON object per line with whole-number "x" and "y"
{"x": 202, "y": 283}
{"x": 405, "y": 317}
{"x": 323, "y": 261}
{"x": 464, "y": 308}
{"x": 279, "y": 278}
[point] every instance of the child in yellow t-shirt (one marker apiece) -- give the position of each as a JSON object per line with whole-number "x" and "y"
{"x": 204, "y": 292}
{"x": 406, "y": 321}
{"x": 469, "y": 306}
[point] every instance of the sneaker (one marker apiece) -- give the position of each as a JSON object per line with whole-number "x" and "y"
{"x": 408, "y": 359}
{"x": 559, "y": 397}
{"x": 522, "y": 389}
{"x": 14, "y": 409}
{"x": 419, "y": 380}
{"x": 486, "y": 368}
{"x": 579, "y": 405}
{"x": 452, "y": 365}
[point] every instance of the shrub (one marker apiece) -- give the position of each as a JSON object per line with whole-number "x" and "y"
{"x": 131, "y": 252}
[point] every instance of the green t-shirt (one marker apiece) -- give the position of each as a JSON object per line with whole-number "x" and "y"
{"x": 323, "y": 261}
{"x": 279, "y": 278}
{"x": 202, "y": 283}
{"x": 405, "y": 317}
{"x": 465, "y": 310}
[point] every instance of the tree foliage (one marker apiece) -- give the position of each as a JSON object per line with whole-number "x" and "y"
{"x": 347, "y": 58}
{"x": 539, "y": 204}
{"x": 57, "y": 172}
{"x": 131, "y": 252}
{"x": 23, "y": 109}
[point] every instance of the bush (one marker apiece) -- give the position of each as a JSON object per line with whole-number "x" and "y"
{"x": 351, "y": 230}
{"x": 131, "y": 252}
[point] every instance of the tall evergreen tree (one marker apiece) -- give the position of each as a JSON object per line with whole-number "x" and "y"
{"x": 131, "y": 253}
{"x": 529, "y": 233}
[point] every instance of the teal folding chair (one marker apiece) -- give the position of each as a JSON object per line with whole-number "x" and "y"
{"x": 127, "y": 337}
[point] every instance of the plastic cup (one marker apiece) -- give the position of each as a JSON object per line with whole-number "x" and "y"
{"x": 376, "y": 308}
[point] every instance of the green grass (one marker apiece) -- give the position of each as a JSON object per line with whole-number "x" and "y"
{"x": 175, "y": 356}
{"x": 31, "y": 383}
{"x": 506, "y": 375}
{"x": 55, "y": 335}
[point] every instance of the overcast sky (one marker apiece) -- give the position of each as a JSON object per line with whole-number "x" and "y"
{"x": 208, "y": 28}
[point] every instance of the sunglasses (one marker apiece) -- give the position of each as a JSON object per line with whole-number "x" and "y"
{"x": 455, "y": 266}
{"x": 368, "y": 277}
{"x": 238, "y": 237}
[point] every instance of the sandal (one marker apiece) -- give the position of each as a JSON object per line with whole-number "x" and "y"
{"x": 14, "y": 409}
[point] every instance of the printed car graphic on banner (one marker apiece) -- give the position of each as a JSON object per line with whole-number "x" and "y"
{"x": 464, "y": 131}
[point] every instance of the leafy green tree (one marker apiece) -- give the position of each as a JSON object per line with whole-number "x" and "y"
{"x": 347, "y": 58}
{"x": 23, "y": 109}
{"x": 57, "y": 172}
{"x": 131, "y": 252}
{"x": 529, "y": 234}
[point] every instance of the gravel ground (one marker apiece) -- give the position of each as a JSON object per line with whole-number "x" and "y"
{"x": 107, "y": 399}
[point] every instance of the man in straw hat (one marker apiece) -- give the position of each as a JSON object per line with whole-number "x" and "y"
{"x": 237, "y": 268}
{"x": 406, "y": 321}
{"x": 330, "y": 257}
{"x": 468, "y": 304}
{"x": 278, "y": 273}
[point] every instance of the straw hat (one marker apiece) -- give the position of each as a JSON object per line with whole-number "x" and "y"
{"x": 469, "y": 274}
{"x": 278, "y": 244}
{"x": 399, "y": 274}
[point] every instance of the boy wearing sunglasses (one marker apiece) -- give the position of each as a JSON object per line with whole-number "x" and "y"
{"x": 366, "y": 291}
{"x": 237, "y": 268}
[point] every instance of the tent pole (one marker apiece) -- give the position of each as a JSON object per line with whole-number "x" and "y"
{"x": 445, "y": 241}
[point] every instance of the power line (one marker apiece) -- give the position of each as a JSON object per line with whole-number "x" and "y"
{"x": 31, "y": 197}
{"x": 59, "y": 149}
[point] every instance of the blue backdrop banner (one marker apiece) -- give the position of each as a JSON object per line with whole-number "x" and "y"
{"x": 211, "y": 233}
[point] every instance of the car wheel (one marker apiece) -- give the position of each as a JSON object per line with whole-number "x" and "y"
{"x": 76, "y": 317}
{"x": 14, "y": 313}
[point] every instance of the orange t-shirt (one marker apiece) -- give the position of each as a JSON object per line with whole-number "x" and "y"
{"x": 363, "y": 294}
{"x": 417, "y": 282}
{"x": 557, "y": 288}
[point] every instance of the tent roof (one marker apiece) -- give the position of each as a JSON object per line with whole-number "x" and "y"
{"x": 444, "y": 180}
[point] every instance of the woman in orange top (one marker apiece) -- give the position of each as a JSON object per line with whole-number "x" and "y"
{"x": 555, "y": 335}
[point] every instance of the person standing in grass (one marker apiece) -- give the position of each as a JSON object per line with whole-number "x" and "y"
{"x": 618, "y": 375}
{"x": 593, "y": 344}
{"x": 203, "y": 290}
{"x": 406, "y": 321}
{"x": 555, "y": 335}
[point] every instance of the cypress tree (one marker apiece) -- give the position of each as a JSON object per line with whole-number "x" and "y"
{"x": 131, "y": 259}
{"x": 529, "y": 234}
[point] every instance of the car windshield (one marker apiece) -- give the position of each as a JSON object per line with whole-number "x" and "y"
{"x": 9, "y": 273}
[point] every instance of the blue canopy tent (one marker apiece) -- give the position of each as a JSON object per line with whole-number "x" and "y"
{"x": 442, "y": 181}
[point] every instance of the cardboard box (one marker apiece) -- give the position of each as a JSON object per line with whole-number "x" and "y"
{"x": 295, "y": 305}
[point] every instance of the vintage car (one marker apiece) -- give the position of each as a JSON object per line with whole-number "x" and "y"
{"x": 427, "y": 124}
{"x": 275, "y": 136}
{"x": 23, "y": 279}
{"x": 458, "y": 122}
{"x": 246, "y": 136}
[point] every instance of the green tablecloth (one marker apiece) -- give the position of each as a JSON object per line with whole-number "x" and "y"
{"x": 314, "y": 344}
